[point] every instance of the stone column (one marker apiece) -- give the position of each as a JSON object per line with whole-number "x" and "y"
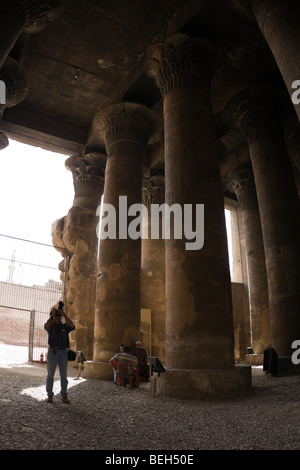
{"x": 13, "y": 75}
{"x": 16, "y": 89}
{"x": 199, "y": 324}
{"x": 126, "y": 128}
{"x": 3, "y": 141}
{"x": 153, "y": 267}
{"x": 255, "y": 112}
{"x": 23, "y": 15}
{"x": 244, "y": 187}
{"x": 293, "y": 145}
{"x": 279, "y": 21}
{"x": 75, "y": 236}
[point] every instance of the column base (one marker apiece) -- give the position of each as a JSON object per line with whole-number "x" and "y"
{"x": 203, "y": 384}
{"x": 254, "y": 359}
{"x": 98, "y": 370}
{"x": 286, "y": 367}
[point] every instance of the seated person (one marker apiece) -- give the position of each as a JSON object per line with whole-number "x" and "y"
{"x": 124, "y": 358}
{"x": 111, "y": 361}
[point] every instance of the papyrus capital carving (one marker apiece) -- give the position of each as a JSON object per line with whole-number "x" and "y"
{"x": 180, "y": 61}
{"x": 13, "y": 75}
{"x": 254, "y": 109}
{"x": 153, "y": 191}
{"x": 126, "y": 122}
{"x": 242, "y": 182}
{"x": 88, "y": 177}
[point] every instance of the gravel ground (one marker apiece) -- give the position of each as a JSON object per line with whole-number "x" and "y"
{"x": 102, "y": 416}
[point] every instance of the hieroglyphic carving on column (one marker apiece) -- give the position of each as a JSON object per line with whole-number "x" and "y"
{"x": 88, "y": 177}
{"x": 179, "y": 61}
{"x": 126, "y": 123}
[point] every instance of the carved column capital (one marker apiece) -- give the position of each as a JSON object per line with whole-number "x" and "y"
{"x": 34, "y": 13}
{"x": 38, "y": 17}
{"x": 253, "y": 110}
{"x": 243, "y": 184}
{"x": 153, "y": 191}
{"x": 88, "y": 177}
{"x": 30, "y": 16}
{"x": 180, "y": 61}
{"x": 13, "y": 75}
{"x": 124, "y": 123}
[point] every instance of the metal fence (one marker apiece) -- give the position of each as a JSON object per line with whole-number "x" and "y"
{"x": 30, "y": 286}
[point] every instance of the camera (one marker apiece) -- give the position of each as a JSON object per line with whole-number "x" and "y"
{"x": 60, "y": 305}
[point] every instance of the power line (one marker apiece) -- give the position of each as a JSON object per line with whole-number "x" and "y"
{"x": 29, "y": 241}
{"x": 30, "y": 264}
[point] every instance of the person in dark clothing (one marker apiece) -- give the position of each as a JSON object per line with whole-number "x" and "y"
{"x": 143, "y": 367}
{"x": 58, "y": 343}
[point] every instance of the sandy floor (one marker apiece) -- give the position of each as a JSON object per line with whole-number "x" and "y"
{"x": 105, "y": 418}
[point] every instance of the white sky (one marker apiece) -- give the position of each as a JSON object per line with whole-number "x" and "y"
{"x": 35, "y": 190}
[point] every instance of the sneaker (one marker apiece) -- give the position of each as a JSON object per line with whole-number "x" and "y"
{"x": 50, "y": 399}
{"x": 65, "y": 400}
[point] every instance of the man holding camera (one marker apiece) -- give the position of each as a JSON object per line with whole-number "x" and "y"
{"x": 58, "y": 342}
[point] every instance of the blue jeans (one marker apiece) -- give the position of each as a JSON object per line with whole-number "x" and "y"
{"x": 60, "y": 357}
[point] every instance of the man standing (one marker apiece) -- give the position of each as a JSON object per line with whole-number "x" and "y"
{"x": 58, "y": 342}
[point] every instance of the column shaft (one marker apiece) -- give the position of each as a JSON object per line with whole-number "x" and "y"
{"x": 279, "y": 22}
{"x": 199, "y": 329}
{"x": 198, "y": 295}
{"x": 76, "y": 234}
{"x": 126, "y": 128}
{"x": 153, "y": 269}
{"x": 199, "y": 323}
{"x": 279, "y": 210}
{"x": 118, "y": 294}
{"x": 244, "y": 186}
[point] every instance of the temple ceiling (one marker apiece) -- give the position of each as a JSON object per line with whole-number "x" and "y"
{"x": 93, "y": 53}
